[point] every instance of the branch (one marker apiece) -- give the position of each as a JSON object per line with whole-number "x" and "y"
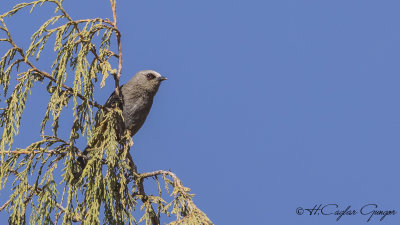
{"x": 159, "y": 172}
{"x": 48, "y": 76}
{"x": 4, "y": 205}
{"x": 40, "y": 72}
{"x": 38, "y": 150}
{"x": 118, "y": 35}
{"x": 93, "y": 49}
{"x": 29, "y": 187}
{"x": 114, "y": 10}
{"x": 153, "y": 217}
{"x": 23, "y": 151}
{"x": 75, "y": 23}
{"x": 155, "y": 220}
{"x": 177, "y": 183}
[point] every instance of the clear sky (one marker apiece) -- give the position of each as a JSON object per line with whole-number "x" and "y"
{"x": 269, "y": 105}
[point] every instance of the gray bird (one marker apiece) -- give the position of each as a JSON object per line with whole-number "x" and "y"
{"x": 135, "y": 100}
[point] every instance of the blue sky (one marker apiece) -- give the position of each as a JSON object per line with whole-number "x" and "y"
{"x": 269, "y": 105}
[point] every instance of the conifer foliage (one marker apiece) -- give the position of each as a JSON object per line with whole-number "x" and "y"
{"x": 109, "y": 190}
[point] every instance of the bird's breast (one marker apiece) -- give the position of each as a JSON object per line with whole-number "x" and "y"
{"x": 135, "y": 112}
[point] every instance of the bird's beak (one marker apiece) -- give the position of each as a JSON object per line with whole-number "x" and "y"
{"x": 162, "y": 78}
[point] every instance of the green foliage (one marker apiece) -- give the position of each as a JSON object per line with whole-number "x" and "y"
{"x": 109, "y": 188}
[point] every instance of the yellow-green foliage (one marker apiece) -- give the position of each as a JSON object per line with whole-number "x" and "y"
{"x": 109, "y": 188}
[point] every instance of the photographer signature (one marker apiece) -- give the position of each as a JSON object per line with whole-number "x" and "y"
{"x": 368, "y": 210}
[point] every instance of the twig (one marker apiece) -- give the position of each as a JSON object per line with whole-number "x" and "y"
{"x": 153, "y": 217}
{"x": 159, "y": 172}
{"x": 5, "y": 205}
{"x": 42, "y": 150}
{"x": 155, "y": 220}
{"x": 17, "y": 152}
{"x": 91, "y": 20}
{"x": 114, "y": 6}
{"x": 118, "y": 35}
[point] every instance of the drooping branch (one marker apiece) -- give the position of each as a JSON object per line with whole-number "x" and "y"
{"x": 180, "y": 190}
{"x": 40, "y": 150}
{"x": 75, "y": 23}
{"x": 93, "y": 49}
{"x": 36, "y": 191}
{"x": 69, "y": 89}
{"x": 38, "y": 71}
{"x": 114, "y": 27}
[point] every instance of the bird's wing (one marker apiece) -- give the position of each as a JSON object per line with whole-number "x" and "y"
{"x": 111, "y": 101}
{"x": 115, "y": 99}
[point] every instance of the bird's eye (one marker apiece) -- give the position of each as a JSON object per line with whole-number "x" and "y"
{"x": 150, "y": 76}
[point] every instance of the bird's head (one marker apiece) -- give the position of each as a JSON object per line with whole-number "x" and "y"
{"x": 148, "y": 80}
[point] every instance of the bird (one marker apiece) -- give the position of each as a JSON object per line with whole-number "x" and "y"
{"x": 135, "y": 100}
